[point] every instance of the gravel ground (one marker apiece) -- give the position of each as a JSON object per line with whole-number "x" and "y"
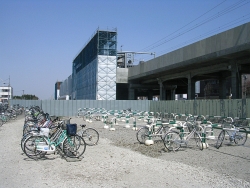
{"x": 120, "y": 161}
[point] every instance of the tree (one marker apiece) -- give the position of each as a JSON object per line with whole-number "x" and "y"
{"x": 26, "y": 97}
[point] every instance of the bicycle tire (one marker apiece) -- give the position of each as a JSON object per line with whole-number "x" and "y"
{"x": 170, "y": 141}
{"x": 240, "y": 138}
{"x": 198, "y": 141}
{"x": 142, "y": 134}
{"x": 90, "y": 136}
{"x": 74, "y": 146}
{"x": 220, "y": 139}
{"x": 28, "y": 134}
{"x": 26, "y": 129}
{"x": 30, "y": 147}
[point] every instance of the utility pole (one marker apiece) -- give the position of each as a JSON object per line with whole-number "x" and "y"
{"x": 9, "y": 90}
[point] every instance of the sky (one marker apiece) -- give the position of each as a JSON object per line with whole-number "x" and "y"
{"x": 39, "y": 39}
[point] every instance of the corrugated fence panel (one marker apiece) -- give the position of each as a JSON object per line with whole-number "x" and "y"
{"x": 190, "y": 108}
{"x": 109, "y": 105}
{"x": 216, "y": 107}
{"x": 182, "y": 107}
{"x": 247, "y": 107}
{"x": 222, "y": 107}
{"x": 60, "y": 107}
{"x": 212, "y": 106}
{"x": 70, "y": 109}
{"x": 230, "y": 105}
{"x": 240, "y": 108}
{"x": 170, "y": 105}
{"x": 64, "y": 107}
{"x": 56, "y": 108}
{"x": 153, "y": 106}
{"x": 116, "y": 105}
{"x": 202, "y": 108}
{"x": 227, "y": 107}
{"x": 46, "y": 107}
{"x": 163, "y": 106}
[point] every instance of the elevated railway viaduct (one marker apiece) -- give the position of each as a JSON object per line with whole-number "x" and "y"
{"x": 223, "y": 56}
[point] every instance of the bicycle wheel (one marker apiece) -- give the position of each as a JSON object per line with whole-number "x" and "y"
{"x": 90, "y": 136}
{"x": 220, "y": 139}
{"x": 142, "y": 134}
{"x": 240, "y": 137}
{"x": 28, "y": 134}
{"x": 26, "y": 129}
{"x": 198, "y": 141}
{"x": 31, "y": 145}
{"x": 74, "y": 146}
{"x": 172, "y": 141}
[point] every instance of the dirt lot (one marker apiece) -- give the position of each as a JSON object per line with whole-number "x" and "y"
{"x": 120, "y": 161}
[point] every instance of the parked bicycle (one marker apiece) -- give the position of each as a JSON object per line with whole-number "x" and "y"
{"x": 232, "y": 131}
{"x": 179, "y": 136}
{"x": 37, "y": 146}
{"x": 152, "y": 130}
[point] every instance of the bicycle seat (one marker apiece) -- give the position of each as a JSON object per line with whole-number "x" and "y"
{"x": 83, "y": 126}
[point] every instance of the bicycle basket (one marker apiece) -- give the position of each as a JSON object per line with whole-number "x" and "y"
{"x": 71, "y": 129}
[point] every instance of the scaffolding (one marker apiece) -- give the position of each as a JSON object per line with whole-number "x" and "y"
{"x": 94, "y": 68}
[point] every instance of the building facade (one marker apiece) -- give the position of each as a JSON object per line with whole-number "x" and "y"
{"x": 6, "y": 93}
{"x": 57, "y": 90}
{"x": 94, "y": 68}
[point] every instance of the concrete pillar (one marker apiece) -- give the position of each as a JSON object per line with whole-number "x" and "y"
{"x": 150, "y": 94}
{"x": 191, "y": 88}
{"x": 131, "y": 94}
{"x": 222, "y": 87}
{"x": 162, "y": 90}
{"x": 168, "y": 94}
{"x": 235, "y": 81}
{"x": 173, "y": 92}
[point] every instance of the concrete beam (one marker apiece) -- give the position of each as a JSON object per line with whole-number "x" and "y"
{"x": 142, "y": 86}
{"x": 194, "y": 72}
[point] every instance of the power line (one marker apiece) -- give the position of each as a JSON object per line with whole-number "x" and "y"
{"x": 203, "y": 35}
{"x": 184, "y": 25}
{"x": 223, "y": 12}
{"x": 196, "y": 26}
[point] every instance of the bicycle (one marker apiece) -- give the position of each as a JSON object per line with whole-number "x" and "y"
{"x": 4, "y": 118}
{"x": 178, "y": 137}
{"x": 157, "y": 129}
{"x": 90, "y": 135}
{"x": 72, "y": 145}
{"x": 234, "y": 131}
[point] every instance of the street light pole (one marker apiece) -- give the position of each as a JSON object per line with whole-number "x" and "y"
{"x": 23, "y": 93}
{"x": 9, "y": 90}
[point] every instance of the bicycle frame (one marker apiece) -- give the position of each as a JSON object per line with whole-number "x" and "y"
{"x": 231, "y": 133}
{"x": 155, "y": 131}
{"x": 185, "y": 139}
{"x": 57, "y": 138}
